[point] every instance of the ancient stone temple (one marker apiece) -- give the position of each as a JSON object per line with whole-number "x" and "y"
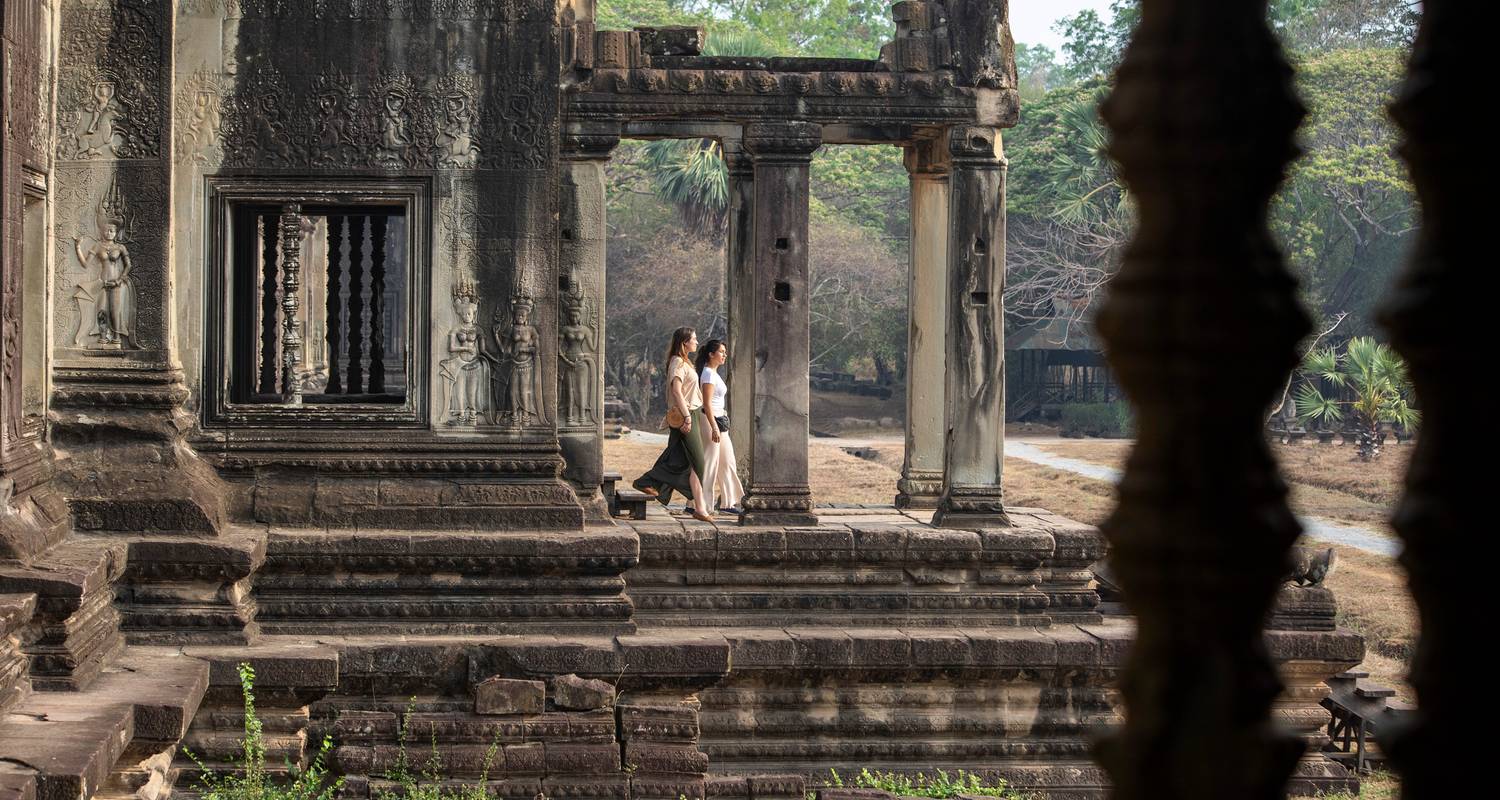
{"x": 303, "y": 322}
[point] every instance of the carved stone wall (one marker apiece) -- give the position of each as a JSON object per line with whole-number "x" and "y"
{"x": 457, "y": 91}
{"x": 112, "y": 140}
{"x": 32, "y": 515}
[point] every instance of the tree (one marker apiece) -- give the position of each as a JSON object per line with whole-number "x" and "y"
{"x": 1069, "y": 216}
{"x": 1376, "y": 379}
{"x": 1037, "y": 71}
{"x": 1092, "y": 45}
{"x": 1346, "y": 212}
{"x": 1315, "y": 26}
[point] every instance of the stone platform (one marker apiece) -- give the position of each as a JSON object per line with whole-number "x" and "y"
{"x": 741, "y": 662}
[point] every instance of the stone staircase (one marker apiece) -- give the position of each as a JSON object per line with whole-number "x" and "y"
{"x": 744, "y": 662}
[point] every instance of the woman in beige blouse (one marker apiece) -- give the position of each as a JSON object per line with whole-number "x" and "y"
{"x": 680, "y": 466}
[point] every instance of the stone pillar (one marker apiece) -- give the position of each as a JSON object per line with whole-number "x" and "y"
{"x": 740, "y": 269}
{"x": 778, "y": 493}
{"x": 580, "y": 375}
{"x": 921, "y": 482}
{"x": 974, "y": 408}
{"x": 33, "y": 514}
{"x": 118, "y": 391}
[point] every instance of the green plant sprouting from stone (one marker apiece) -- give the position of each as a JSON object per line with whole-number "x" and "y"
{"x": 251, "y": 780}
{"x": 939, "y": 787}
{"x": 429, "y": 783}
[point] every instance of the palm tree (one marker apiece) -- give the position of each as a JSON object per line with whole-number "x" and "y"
{"x": 1375, "y": 377}
{"x": 690, "y": 173}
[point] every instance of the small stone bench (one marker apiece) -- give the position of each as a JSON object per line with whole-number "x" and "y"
{"x": 631, "y": 503}
{"x": 607, "y": 488}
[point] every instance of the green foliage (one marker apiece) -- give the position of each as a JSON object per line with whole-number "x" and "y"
{"x": 252, "y": 781}
{"x": 941, "y": 787}
{"x": 1347, "y": 211}
{"x": 1374, "y": 379}
{"x": 1107, "y": 420}
{"x": 617, "y": 15}
{"x": 429, "y": 782}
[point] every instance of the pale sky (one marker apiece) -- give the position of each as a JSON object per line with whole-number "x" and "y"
{"x": 1031, "y": 20}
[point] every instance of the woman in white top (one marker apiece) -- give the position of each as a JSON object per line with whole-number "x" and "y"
{"x": 720, "y": 472}
{"x": 680, "y": 466}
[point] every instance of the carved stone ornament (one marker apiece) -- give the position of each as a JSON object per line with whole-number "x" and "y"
{"x": 578, "y": 365}
{"x": 104, "y": 293}
{"x": 112, "y": 85}
{"x": 466, "y": 369}
{"x": 518, "y": 380}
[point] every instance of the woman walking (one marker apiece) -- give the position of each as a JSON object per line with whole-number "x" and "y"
{"x": 680, "y": 466}
{"x": 721, "y": 476}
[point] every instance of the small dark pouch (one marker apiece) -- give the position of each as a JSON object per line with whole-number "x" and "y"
{"x": 723, "y": 423}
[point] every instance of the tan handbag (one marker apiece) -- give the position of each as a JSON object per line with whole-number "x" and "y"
{"x": 674, "y": 419}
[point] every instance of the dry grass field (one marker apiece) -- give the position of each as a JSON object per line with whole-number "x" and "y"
{"x": 1327, "y": 481}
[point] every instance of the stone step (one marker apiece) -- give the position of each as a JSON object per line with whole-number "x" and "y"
{"x": 182, "y": 590}
{"x": 15, "y": 683}
{"x": 72, "y": 741}
{"x": 388, "y": 582}
{"x": 77, "y": 627}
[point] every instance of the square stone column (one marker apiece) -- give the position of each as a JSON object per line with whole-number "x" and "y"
{"x": 975, "y": 401}
{"x": 778, "y": 493}
{"x": 119, "y": 402}
{"x": 740, "y": 270}
{"x": 580, "y": 329}
{"x": 921, "y": 482}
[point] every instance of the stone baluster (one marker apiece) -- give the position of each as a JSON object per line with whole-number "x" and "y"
{"x": 781, "y": 154}
{"x": 270, "y": 354}
{"x": 1436, "y": 333}
{"x": 291, "y": 283}
{"x": 585, "y": 152}
{"x": 740, "y": 271}
{"x": 921, "y": 482}
{"x": 1201, "y": 325}
{"x": 974, "y": 405}
{"x": 354, "y": 311}
{"x": 333, "y": 337}
{"x": 377, "y": 303}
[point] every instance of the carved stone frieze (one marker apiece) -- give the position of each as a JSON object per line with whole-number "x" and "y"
{"x": 113, "y": 83}
{"x": 393, "y": 121}
{"x": 198, "y": 112}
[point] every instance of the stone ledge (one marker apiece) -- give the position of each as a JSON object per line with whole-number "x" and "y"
{"x": 277, "y": 665}
{"x": 72, "y": 740}
{"x": 1058, "y": 647}
{"x": 669, "y": 542}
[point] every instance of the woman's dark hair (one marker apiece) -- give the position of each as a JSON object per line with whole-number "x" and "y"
{"x": 680, "y": 337}
{"x": 708, "y": 349}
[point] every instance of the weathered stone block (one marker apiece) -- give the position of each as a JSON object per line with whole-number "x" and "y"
{"x": 507, "y": 696}
{"x": 572, "y": 693}
{"x": 525, "y": 759}
{"x": 582, "y": 759}
{"x": 777, "y": 787}
{"x": 676, "y": 40}
{"x": 657, "y": 758}
{"x": 728, "y": 787}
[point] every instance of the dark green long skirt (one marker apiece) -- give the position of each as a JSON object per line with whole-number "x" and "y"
{"x": 682, "y": 458}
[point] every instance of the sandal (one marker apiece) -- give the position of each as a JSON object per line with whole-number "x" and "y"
{"x": 702, "y": 517}
{"x": 649, "y": 491}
